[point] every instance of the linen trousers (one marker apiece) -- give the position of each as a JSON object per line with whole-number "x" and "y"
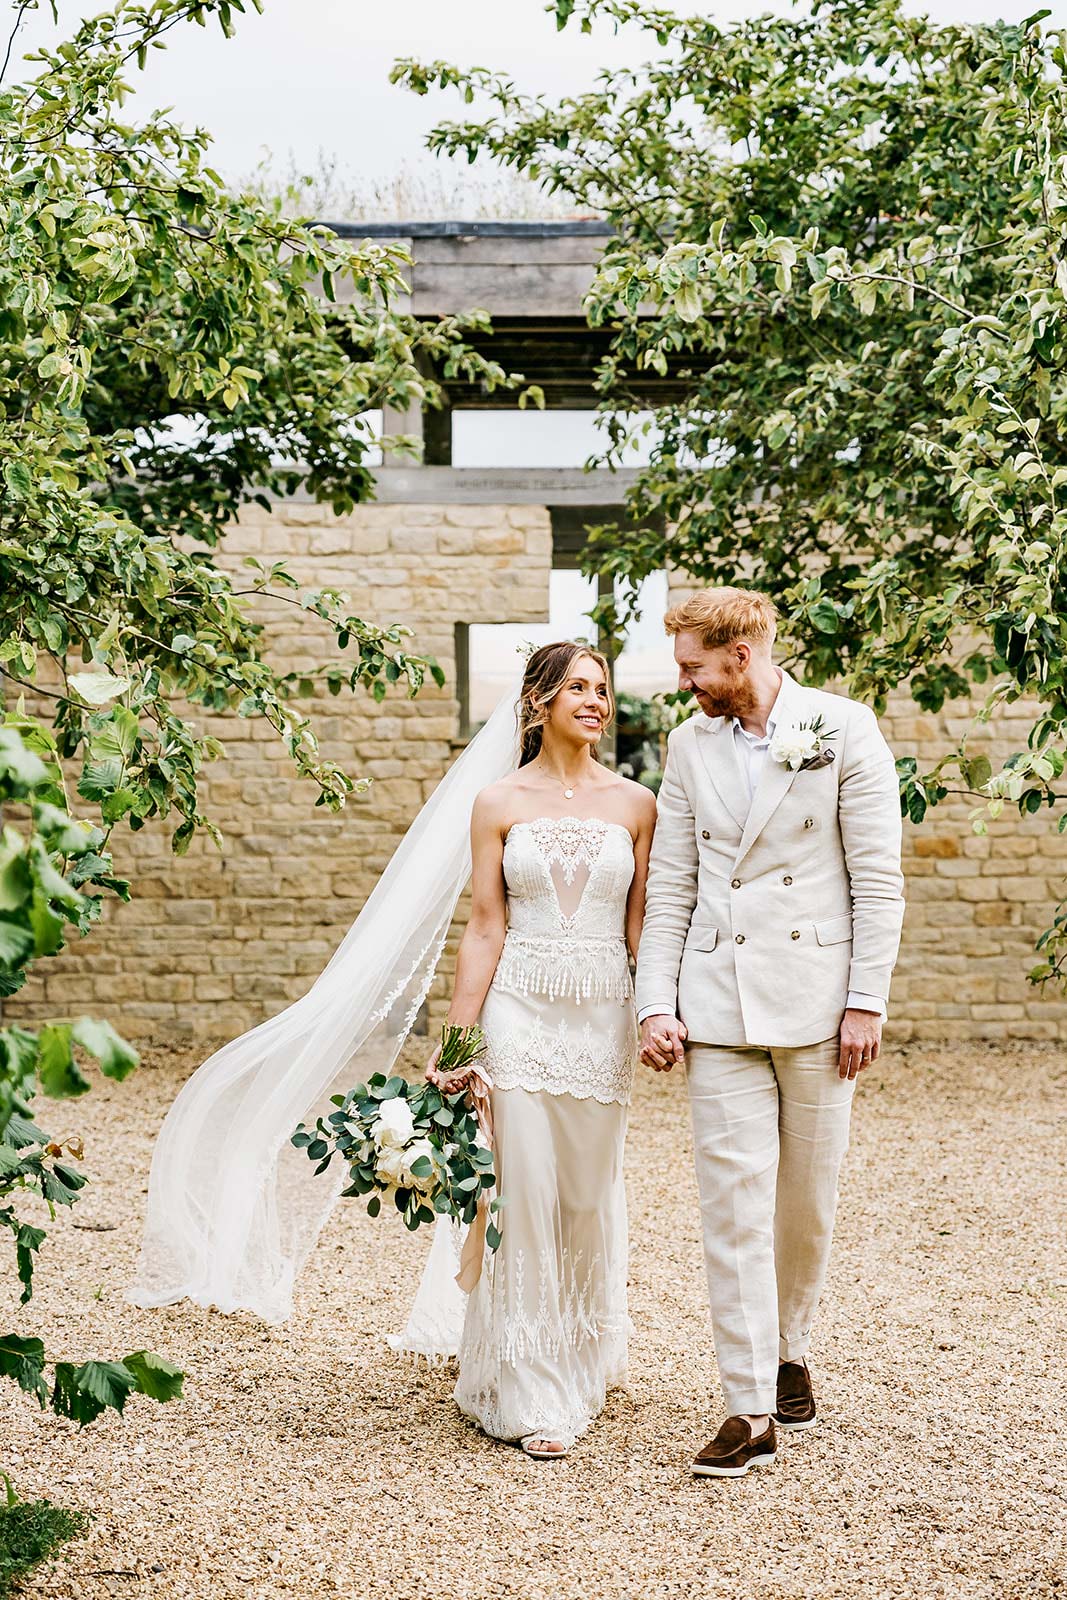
{"x": 770, "y": 1130}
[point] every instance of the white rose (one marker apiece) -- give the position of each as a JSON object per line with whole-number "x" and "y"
{"x": 395, "y": 1124}
{"x": 795, "y": 746}
{"x": 420, "y": 1147}
{"x": 390, "y": 1166}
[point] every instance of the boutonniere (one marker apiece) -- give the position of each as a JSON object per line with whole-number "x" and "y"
{"x": 805, "y": 747}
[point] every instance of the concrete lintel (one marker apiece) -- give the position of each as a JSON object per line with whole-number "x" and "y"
{"x": 490, "y": 486}
{"x": 563, "y": 229}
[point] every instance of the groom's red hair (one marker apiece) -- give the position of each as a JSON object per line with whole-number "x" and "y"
{"x": 721, "y": 616}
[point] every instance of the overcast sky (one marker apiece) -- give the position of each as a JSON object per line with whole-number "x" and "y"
{"x": 314, "y": 74}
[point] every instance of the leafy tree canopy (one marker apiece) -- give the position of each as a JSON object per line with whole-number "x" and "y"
{"x": 844, "y": 232}
{"x": 170, "y": 350}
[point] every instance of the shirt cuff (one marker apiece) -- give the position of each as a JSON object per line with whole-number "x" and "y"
{"x": 655, "y": 1011}
{"x": 863, "y": 1002}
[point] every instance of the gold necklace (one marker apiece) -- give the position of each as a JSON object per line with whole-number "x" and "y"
{"x": 568, "y": 794}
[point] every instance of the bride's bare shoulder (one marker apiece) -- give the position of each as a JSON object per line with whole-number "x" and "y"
{"x": 639, "y": 801}
{"x": 493, "y": 803}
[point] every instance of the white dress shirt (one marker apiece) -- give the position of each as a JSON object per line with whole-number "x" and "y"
{"x": 751, "y": 750}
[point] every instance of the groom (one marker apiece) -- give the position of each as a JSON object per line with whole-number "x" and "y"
{"x": 773, "y": 917}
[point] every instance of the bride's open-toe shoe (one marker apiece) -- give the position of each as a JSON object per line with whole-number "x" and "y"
{"x": 541, "y": 1449}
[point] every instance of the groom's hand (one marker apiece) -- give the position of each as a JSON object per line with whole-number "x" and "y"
{"x": 662, "y": 1042}
{"x": 861, "y": 1039}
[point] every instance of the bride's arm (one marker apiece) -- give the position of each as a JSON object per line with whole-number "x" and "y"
{"x": 483, "y": 937}
{"x": 635, "y": 902}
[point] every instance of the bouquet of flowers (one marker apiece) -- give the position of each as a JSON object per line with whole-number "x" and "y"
{"x": 413, "y": 1142}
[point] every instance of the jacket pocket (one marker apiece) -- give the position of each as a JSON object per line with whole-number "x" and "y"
{"x": 835, "y": 930}
{"x": 702, "y": 939}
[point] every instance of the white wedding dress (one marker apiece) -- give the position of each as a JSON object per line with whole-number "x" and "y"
{"x": 545, "y": 1330}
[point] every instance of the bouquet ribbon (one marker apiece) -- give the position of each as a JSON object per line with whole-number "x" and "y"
{"x": 473, "y": 1252}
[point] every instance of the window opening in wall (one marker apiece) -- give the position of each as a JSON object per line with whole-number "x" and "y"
{"x": 554, "y": 438}
{"x": 643, "y": 669}
{"x": 487, "y": 653}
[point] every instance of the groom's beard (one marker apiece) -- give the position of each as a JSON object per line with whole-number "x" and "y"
{"x": 735, "y": 698}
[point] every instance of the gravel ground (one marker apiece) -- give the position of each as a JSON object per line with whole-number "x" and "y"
{"x": 311, "y": 1460}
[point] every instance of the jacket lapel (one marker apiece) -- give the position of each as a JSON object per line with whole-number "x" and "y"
{"x": 715, "y": 737}
{"x": 775, "y": 778}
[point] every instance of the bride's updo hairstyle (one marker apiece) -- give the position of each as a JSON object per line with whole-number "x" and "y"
{"x": 547, "y": 670}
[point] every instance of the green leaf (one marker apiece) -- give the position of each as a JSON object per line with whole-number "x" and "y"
{"x": 688, "y": 302}
{"x": 824, "y": 616}
{"x": 57, "y": 1069}
{"x": 82, "y": 1393}
{"x": 47, "y": 928}
{"x": 16, "y": 943}
{"x": 96, "y": 688}
{"x": 115, "y": 1056}
{"x": 17, "y": 478}
{"x": 28, "y": 1241}
{"x": 18, "y": 762}
{"x": 154, "y": 1377}
{"x": 23, "y": 1360}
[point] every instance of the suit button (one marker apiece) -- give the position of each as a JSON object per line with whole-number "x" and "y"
{"x": 787, "y": 881}
{"x": 705, "y": 834}
{"x": 795, "y": 933}
{"x": 739, "y": 938}
{"x": 809, "y": 822}
{"x": 735, "y": 883}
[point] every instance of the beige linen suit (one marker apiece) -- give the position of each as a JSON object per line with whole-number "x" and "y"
{"x": 761, "y": 916}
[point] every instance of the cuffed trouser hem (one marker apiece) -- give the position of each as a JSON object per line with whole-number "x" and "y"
{"x": 751, "y": 1402}
{"x": 794, "y": 1348}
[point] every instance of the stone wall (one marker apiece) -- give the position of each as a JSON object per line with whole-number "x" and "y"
{"x": 975, "y": 905}
{"x": 212, "y": 944}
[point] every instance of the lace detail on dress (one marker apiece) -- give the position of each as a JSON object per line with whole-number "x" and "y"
{"x": 573, "y": 1318}
{"x": 547, "y": 860}
{"x": 590, "y": 1063}
{"x": 566, "y": 1308}
{"x": 559, "y": 1014}
{"x": 580, "y": 969}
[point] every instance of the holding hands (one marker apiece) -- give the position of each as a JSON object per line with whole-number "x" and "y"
{"x": 662, "y": 1042}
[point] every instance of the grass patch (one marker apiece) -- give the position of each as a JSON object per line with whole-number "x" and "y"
{"x": 30, "y": 1531}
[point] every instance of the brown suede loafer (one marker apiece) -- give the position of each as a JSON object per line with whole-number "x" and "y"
{"x": 796, "y": 1403}
{"x": 733, "y": 1450}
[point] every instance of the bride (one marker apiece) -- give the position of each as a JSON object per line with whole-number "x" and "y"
{"x": 557, "y": 849}
{"x": 560, "y": 854}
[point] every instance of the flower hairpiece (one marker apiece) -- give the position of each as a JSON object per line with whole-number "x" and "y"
{"x": 527, "y": 647}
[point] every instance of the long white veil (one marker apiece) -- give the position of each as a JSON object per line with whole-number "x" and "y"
{"x": 233, "y": 1208}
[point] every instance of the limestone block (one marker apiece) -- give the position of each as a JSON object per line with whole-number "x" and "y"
{"x": 455, "y": 541}
{"x": 474, "y": 516}
{"x": 1025, "y": 889}
{"x": 414, "y": 541}
{"x": 964, "y": 867}
{"x": 997, "y": 914}
{"x": 943, "y": 847}
{"x": 498, "y": 541}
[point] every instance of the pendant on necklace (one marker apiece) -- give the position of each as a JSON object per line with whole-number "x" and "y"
{"x": 568, "y": 794}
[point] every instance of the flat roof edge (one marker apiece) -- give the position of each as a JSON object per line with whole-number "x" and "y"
{"x": 446, "y": 230}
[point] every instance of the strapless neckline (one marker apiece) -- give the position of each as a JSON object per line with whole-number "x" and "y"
{"x": 600, "y": 822}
